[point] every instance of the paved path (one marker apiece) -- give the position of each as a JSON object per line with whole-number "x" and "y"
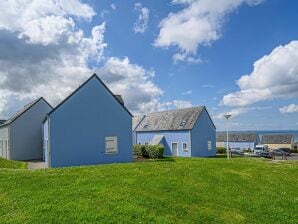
{"x": 36, "y": 165}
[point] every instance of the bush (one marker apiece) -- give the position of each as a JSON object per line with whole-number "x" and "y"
{"x": 138, "y": 150}
{"x": 154, "y": 151}
{"x": 294, "y": 150}
{"x": 221, "y": 150}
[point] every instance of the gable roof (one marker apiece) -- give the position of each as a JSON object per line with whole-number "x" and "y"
{"x": 277, "y": 139}
{"x": 136, "y": 120}
{"x": 116, "y": 97}
{"x": 156, "y": 140}
{"x": 181, "y": 119}
{"x": 23, "y": 110}
{"x": 237, "y": 137}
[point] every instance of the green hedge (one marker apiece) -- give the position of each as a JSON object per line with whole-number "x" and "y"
{"x": 148, "y": 151}
{"x": 221, "y": 150}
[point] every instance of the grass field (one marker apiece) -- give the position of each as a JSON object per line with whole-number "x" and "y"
{"x": 184, "y": 190}
{"x": 12, "y": 164}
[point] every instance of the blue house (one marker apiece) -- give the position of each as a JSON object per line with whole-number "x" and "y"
{"x": 241, "y": 140}
{"x": 184, "y": 132}
{"x": 91, "y": 126}
{"x": 21, "y": 134}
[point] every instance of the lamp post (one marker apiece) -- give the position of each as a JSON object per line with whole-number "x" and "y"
{"x": 227, "y": 116}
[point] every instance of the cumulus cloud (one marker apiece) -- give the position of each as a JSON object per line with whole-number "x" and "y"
{"x": 188, "y": 92}
{"x": 141, "y": 24}
{"x": 136, "y": 85}
{"x": 275, "y": 76}
{"x": 198, "y": 24}
{"x": 235, "y": 112}
{"x": 43, "y": 52}
{"x": 292, "y": 108}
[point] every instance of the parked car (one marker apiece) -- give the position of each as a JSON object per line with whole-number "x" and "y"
{"x": 287, "y": 150}
{"x": 279, "y": 152}
{"x": 237, "y": 150}
{"x": 260, "y": 148}
{"x": 266, "y": 155}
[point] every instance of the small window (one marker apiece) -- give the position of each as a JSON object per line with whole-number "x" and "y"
{"x": 244, "y": 139}
{"x": 145, "y": 126}
{"x": 182, "y": 123}
{"x": 146, "y": 143}
{"x": 284, "y": 141}
{"x": 140, "y": 143}
{"x": 184, "y": 147}
{"x": 111, "y": 145}
{"x": 209, "y": 145}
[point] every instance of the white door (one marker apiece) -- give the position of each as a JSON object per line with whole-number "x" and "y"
{"x": 174, "y": 149}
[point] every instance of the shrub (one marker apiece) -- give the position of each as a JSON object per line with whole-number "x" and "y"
{"x": 138, "y": 150}
{"x": 154, "y": 151}
{"x": 221, "y": 150}
{"x": 294, "y": 150}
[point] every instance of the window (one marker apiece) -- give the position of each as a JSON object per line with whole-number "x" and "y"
{"x": 284, "y": 141}
{"x": 139, "y": 143}
{"x": 244, "y": 139}
{"x": 146, "y": 143}
{"x": 111, "y": 145}
{"x": 182, "y": 123}
{"x": 209, "y": 145}
{"x": 184, "y": 147}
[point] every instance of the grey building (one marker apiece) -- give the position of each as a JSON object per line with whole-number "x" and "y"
{"x": 242, "y": 140}
{"x": 275, "y": 141}
{"x": 21, "y": 135}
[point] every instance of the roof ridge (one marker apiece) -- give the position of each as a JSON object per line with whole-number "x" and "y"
{"x": 172, "y": 110}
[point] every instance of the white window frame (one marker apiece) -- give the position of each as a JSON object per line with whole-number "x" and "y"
{"x": 209, "y": 143}
{"x": 114, "y": 150}
{"x": 185, "y": 150}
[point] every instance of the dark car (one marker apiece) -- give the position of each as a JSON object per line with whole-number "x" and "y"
{"x": 279, "y": 152}
{"x": 266, "y": 155}
{"x": 287, "y": 150}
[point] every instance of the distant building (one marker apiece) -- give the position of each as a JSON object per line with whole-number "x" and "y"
{"x": 184, "y": 132}
{"x": 21, "y": 135}
{"x": 275, "y": 141}
{"x": 91, "y": 126}
{"x": 242, "y": 140}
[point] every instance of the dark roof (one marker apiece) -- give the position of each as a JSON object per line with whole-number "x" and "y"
{"x": 237, "y": 137}
{"x": 136, "y": 121}
{"x": 23, "y": 110}
{"x": 181, "y": 119}
{"x": 277, "y": 139}
{"x": 97, "y": 78}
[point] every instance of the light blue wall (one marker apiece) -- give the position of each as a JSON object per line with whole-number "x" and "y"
{"x": 169, "y": 137}
{"x": 202, "y": 132}
{"x": 26, "y": 133}
{"x": 241, "y": 145}
{"x": 79, "y": 126}
{"x": 45, "y": 142}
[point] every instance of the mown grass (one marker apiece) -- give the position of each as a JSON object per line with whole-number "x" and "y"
{"x": 12, "y": 164}
{"x": 182, "y": 190}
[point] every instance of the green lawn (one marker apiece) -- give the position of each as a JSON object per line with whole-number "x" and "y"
{"x": 12, "y": 164}
{"x": 171, "y": 191}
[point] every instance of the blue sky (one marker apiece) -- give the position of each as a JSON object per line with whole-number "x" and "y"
{"x": 159, "y": 55}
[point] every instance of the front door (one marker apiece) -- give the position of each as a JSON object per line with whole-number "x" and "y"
{"x": 174, "y": 149}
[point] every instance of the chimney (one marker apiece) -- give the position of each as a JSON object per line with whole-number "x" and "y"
{"x": 120, "y": 99}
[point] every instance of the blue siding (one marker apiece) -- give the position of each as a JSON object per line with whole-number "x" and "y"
{"x": 241, "y": 145}
{"x": 79, "y": 126}
{"x": 202, "y": 132}
{"x": 169, "y": 137}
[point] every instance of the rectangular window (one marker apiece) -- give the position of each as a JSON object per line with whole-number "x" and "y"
{"x": 111, "y": 145}
{"x": 146, "y": 143}
{"x": 184, "y": 147}
{"x": 140, "y": 143}
{"x": 209, "y": 145}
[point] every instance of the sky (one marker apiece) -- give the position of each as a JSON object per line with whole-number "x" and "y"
{"x": 232, "y": 56}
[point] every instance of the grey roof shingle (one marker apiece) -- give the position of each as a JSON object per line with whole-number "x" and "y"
{"x": 181, "y": 119}
{"x": 237, "y": 137}
{"x": 277, "y": 139}
{"x": 136, "y": 120}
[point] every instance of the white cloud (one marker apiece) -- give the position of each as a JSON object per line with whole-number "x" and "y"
{"x": 141, "y": 24}
{"x": 188, "y": 92}
{"x": 292, "y": 108}
{"x": 186, "y": 58}
{"x": 136, "y": 85}
{"x": 275, "y": 76}
{"x": 198, "y": 24}
{"x": 113, "y": 6}
{"x": 43, "y": 52}
{"x": 235, "y": 112}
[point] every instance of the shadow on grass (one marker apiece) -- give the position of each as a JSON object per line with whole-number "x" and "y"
{"x": 164, "y": 159}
